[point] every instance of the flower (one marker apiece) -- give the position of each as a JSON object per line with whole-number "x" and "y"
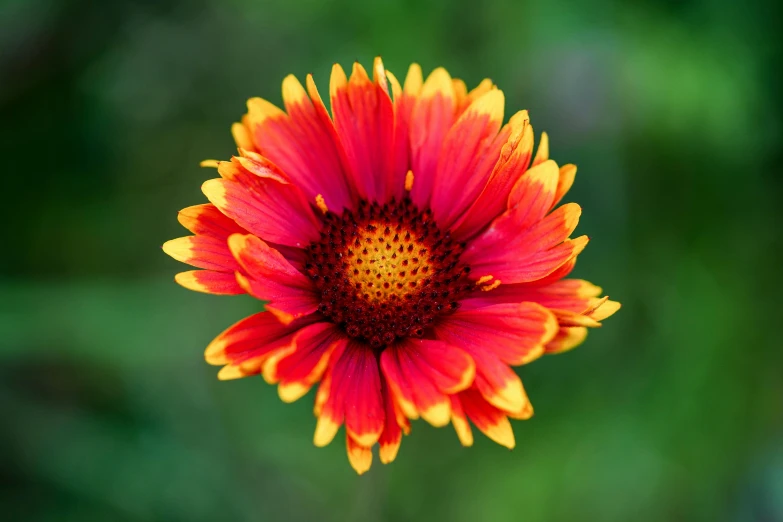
{"x": 409, "y": 249}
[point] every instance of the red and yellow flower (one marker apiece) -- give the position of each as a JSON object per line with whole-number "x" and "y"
{"x": 410, "y": 250}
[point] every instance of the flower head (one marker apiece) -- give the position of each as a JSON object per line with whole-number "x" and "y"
{"x": 409, "y": 248}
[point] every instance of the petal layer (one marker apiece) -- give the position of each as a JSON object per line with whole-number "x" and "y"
{"x": 421, "y": 374}
{"x": 267, "y": 275}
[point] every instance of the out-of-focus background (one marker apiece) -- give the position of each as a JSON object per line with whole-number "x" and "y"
{"x": 671, "y": 412}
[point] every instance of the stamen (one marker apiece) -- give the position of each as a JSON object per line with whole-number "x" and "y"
{"x": 596, "y": 304}
{"x": 209, "y": 163}
{"x": 487, "y": 288}
{"x": 484, "y": 279}
{"x": 409, "y": 180}
{"x": 321, "y": 204}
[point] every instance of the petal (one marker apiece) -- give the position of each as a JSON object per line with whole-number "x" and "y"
{"x": 566, "y": 339}
{"x": 514, "y": 332}
{"x": 421, "y": 374}
{"x": 359, "y": 456}
{"x": 243, "y": 136}
{"x": 210, "y": 282}
{"x": 542, "y": 154}
{"x": 354, "y": 397}
{"x": 477, "y": 92}
{"x": 300, "y": 369}
{"x": 531, "y": 197}
{"x": 202, "y": 252}
{"x": 272, "y": 278}
{"x": 513, "y": 160}
{"x": 404, "y": 102}
{"x": 253, "y": 338}
{"x": 364, "y": 118}
{"x": 391, "y": 438}
{"x": 513, "y": 254}
{"x": 460, "y": 422}
{"x": 274, "y": 211}
{"x": 432, "y": 117}
{"x": 207, "y": 220}
{"x": 303, "y": 143}
{"x": 574, "y": 295}
{"x": 458, "y": 178}
{"x": 574, "y": 303}
{"x": 490, "y": 420}
{"x": 496, "y": 381}
{"x": 564, "y": 183}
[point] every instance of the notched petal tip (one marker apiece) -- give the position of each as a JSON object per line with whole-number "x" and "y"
{"x": 359, "y": 457}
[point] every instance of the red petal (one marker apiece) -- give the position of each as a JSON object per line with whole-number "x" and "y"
{"x": 514, "y": 255}
{"x": 404, "y": 101}
{"x": 303, "y": 143}
{"x": 513, "y": 160}
{"x": 460, "y": 421}
{"x": 496, "y": 381}
{"x": 462, "y": 173}
{"x": 515, "y": 332}
{"x": 491, "y": 421}
{"x": 391, "y": 438}
{"x": 422, "y": 373}
{"x": 364, "y": 118}
{"x": 353, "y": 397}
{"x": 207, "y": 220}
{"x": 306, "y": 364}
{"x": 272, "y": 278}
{"x": 202, "y": 252}
{"x": 432, "y": 117}
{"x": 255, "y": 337}
{"x": 273, "y": 211}
{"x": 210, "y": 282}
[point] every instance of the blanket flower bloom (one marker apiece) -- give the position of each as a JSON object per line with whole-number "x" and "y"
{"x": 409, "y": 248}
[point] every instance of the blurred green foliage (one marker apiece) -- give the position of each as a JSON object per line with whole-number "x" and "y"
{"x": 672, "y": 411}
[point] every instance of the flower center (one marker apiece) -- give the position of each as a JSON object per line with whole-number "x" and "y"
{"x": 386, "y": 272}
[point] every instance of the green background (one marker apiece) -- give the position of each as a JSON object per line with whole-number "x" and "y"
{"x": 671, "y": 412}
